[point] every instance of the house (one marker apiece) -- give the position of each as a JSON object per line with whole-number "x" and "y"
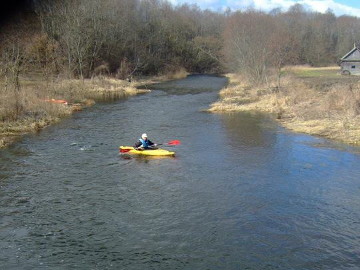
{"x": 350, "y": 62}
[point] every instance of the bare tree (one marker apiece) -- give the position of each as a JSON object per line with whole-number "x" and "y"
{"x": 282, "y": 46}
{"x": 12, "y": 61}
{"x": 246, "y": 37}
{"x": 79, "y": 27}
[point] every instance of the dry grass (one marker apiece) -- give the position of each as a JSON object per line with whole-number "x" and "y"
{"x": 144, "y": 81}
{"x": 314, "y": 106}
{"x": 304, "y": 71}
{"x": 95, "y": 88}
{"x": 179, "y": 73}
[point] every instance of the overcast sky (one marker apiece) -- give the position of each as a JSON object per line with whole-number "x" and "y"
{"x": 339, "y": 7}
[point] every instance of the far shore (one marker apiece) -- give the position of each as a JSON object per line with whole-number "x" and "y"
{"x": 315, "y": 101}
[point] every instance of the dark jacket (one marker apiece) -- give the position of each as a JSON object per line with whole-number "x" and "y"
{"x": 139, "y": 143}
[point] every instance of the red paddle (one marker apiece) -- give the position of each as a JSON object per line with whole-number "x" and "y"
{"x": 124, "y": 150}
{"x": 173, "y": 142}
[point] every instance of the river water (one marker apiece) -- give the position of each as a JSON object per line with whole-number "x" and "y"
{"x": 241, "y": 193}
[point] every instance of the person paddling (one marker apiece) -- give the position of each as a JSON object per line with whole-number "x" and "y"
{"x": 144, "y": 143}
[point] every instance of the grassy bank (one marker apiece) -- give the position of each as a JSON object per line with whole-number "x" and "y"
{"x": 37, "y": 104}
{"x": 316, "y": 101}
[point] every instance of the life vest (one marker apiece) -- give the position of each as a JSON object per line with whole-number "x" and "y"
{"x": 145, "y": 144}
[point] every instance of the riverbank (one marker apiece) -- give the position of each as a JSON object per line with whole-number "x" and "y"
{"x": 316, "y": 101}
{"x": 39, "y": 104}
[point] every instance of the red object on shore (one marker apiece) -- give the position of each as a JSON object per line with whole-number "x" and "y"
{"x": 59, "y": 101}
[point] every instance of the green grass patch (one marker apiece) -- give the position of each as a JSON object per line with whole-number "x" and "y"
{"x": 333, "y": 72}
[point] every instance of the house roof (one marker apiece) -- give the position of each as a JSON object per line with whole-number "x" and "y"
{"x": 356, "y": 48}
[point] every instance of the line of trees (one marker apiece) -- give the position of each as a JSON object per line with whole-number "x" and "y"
{"x": 83, "y": 38}
{"x": 126, "y": 36}
{"x": 256, "y": 43}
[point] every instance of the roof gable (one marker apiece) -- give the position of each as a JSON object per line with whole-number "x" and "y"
{"x": 353, "y": 55}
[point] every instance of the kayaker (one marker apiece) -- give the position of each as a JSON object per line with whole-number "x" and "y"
{"x": 144, "y": 143}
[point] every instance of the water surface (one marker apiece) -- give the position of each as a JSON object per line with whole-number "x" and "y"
{"x": 241, "y": 193}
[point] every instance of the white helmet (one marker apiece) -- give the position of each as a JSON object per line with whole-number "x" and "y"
{"x": 144, "y": 135}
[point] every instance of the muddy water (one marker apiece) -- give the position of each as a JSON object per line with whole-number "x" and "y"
{"x": 241, "y": 192}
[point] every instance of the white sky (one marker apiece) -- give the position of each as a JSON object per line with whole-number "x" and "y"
{"x": 339, "y": 7}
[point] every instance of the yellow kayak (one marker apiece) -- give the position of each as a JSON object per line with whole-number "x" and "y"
{"x": 146, "y": 152}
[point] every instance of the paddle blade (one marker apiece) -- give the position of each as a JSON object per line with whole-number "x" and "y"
{"x": 174, "y": 142}
{"x": 124, "y": 150}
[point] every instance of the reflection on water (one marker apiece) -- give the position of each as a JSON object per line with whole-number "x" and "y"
{"x": 194, "y": 84}
{"x": 248, "y": 129}
{"x": 241, "y": 192}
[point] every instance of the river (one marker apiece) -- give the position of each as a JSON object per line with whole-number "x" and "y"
{"x": 241, "y": 193}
